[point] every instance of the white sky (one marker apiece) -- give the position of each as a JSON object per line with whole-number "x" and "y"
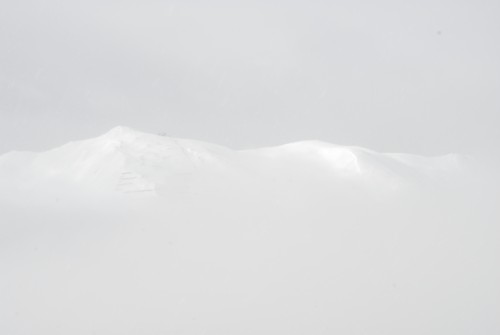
{"x": 412, "y": 76}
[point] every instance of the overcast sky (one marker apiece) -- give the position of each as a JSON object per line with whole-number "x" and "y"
{"x": 412, "y": 76}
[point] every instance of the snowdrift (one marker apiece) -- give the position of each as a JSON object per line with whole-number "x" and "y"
{"x": 134, "y": 233}
{"x": 128, "y": 161}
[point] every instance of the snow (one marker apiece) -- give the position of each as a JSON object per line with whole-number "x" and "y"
{"x": 134, "y": 233}
{"x": 126, "y": 160}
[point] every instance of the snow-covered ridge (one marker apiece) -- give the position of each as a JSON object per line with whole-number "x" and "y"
{"x": 181, "y": 236}
{"x": 127, "y": 160}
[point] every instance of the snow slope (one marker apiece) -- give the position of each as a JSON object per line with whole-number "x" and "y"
{"x": 128, "y": 161}
{"x": 133, "y": 233}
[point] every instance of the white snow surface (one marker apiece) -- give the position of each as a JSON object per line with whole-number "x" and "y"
{"x": 128, "y": 161}
{"x": 134, "y": 233}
